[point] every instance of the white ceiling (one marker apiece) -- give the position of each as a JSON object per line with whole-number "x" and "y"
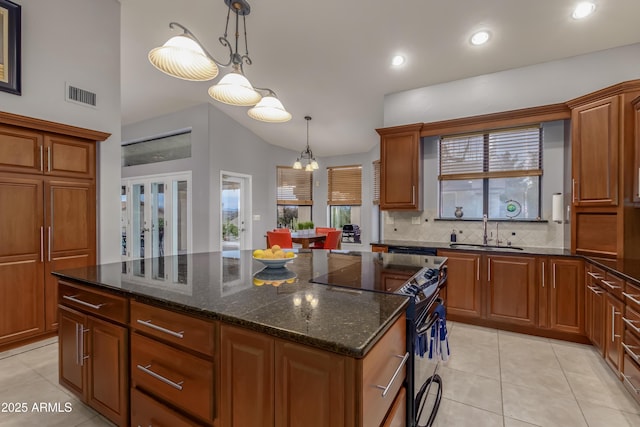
{"x": 331, "y": 60}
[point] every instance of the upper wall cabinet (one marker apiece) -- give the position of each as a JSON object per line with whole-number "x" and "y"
{"x": 635, "y": 172}
{"x": 26, "y": 151}
{"x": 401, "y": 168}
{"x": 595, "y": 152}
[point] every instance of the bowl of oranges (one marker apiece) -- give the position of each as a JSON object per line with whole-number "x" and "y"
{"x": 273, "y": 257}
{"x": 274, "y": 276}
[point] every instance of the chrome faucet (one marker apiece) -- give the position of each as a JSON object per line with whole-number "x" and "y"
{"x": 485, "y": 238}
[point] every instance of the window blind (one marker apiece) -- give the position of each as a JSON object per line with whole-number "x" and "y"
{"x": 376, "y": 182}
{"x": 345, "y": 185}
{"x": 496, "y": 154}
{"x": 295, "y": 187}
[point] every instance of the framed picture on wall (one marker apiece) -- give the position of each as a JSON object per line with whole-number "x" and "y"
{"x": 10, "y": 34}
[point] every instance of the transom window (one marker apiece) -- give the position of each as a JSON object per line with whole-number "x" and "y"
{"x": 494, "y": 173}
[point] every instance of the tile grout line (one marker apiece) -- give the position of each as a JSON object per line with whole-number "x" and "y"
{"x": 573, "y": 393}
{"x": 504, "y": 421}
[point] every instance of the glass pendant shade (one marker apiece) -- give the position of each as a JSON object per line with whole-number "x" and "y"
{"x": 270, "y": 110}
{"x": 182, "y": 57}
{"x": 297, "y": 164}
{"x": 308, "y": 168}
{"x": 314, "y": 164}
{"x": 235, "y": 89}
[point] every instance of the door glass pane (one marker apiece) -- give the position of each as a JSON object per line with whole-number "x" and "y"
{"x": 123, "y": 219}
{"x": 139, "y": 222}
{"x": 157, "y": 219}
{"x": 230, "y": 215}
{"x": 515, "y": 198}
{"x": 180, "y": 223}
{"x": 464, "y": 194}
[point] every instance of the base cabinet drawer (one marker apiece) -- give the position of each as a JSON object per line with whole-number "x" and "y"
{"x": 631, "y": 377}
{"x": 146, "y": 411}
{"x": 397, "y": 416}
{"x": 182, "y": 379}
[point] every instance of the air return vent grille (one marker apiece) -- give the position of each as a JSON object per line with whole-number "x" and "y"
{"x": 80, "y": 96}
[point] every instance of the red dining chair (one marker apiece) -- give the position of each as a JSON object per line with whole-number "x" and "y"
{"x": 282, "y": 230}
{"x": 333, "y": 240}
{"x": 281, "y": 239}
{"x": 324, "y": 230}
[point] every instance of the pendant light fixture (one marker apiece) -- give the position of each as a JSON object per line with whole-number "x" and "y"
{"x": 184, "y": 57}
{"x": 306, "y": 155}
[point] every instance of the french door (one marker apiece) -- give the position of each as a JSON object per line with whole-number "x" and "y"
{"x": 156, "y": 216}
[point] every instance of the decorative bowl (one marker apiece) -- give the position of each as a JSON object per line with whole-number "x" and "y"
{"x": 274, "y": 276}
{"x": 275, "y": 263}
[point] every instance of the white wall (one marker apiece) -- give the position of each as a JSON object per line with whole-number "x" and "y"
{"x": 59, "y": 47}
{"x": 542, "y": 84}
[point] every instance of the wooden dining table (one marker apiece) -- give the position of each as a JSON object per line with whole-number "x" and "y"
{"x": 305, "y": 239}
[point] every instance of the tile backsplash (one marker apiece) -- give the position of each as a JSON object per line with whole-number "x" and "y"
{"x": 420, "y": 226}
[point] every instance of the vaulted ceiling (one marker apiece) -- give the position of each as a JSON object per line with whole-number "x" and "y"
{"x": 332, "y": 60}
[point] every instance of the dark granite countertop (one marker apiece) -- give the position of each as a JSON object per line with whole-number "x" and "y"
{"x": 220, "y": 285}
{"x": 629, "y": 269}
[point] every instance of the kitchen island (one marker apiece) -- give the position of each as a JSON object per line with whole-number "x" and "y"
{"x": 216, "y": 339}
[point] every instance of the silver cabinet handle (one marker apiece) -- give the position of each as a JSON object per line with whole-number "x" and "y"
{"x": 146, "y": 370}
{"x": 49, "y": 243}
{"x": 627, "y": 379}
{"x": 161, "y": 329}
{"x": 41, "y": 159}
{"x": 75, "y": 299}
{"x": 573, "y": 190}
{"x": 594, "y": 275}
{"x": 630, "y": 323}
{"x": 48, "y": 159}
{"x": 595, "y": 290}
{"x": 385, "y": 389}
{"x": 610, "y": 285}
{"x": 488, "y": 269}
{"x": 543, "y": 274}
{"x": 554, "y": 276}
{"x": 631, "y": 297}
{"x": 478, "y": 270}
{"x": 78, "y": 352}
{"x": 41, "y": 244}
{"x": 82, "y": 356}
{"x": 613, "y": 323}
{"x": 413, "y": 194}
{"x": 631, "y": 353}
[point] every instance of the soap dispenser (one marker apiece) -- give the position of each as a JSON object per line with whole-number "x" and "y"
{"x": 453, "y": 235}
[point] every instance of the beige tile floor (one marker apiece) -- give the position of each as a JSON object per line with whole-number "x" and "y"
{"x": 499, "y": 378}
{"x": 493, "y": 378}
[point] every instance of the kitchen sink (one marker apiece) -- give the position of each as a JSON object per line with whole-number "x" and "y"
{"x": 478, "y": 246}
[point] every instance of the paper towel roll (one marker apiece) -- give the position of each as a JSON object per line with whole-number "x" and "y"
{"x": 556, "y": 211}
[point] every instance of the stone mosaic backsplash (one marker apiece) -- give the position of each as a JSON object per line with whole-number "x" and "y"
{"x": 421, "y": 226}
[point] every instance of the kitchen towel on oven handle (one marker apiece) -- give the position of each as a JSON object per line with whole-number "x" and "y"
{"x": 439, "y": 342}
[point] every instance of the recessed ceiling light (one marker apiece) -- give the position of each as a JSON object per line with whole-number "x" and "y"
{"x": 481, "y": 37}
{"x": 397, "y": 60}
{"x": 583, "y": 10}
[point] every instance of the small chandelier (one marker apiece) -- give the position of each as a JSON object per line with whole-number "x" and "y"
{"x": 184, "y": 57}
{"x": 307, "y": 154}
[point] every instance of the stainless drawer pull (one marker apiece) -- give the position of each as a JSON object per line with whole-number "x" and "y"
{"x": 610, "y": 285}
{"x": 146, "y": 370}
{"x": 161, "y": 329}
{"x": 385, "y": 389}
{"x": 594, "y": 275}
{"x": 595, "y": 290}
{"x": 631, "y": 353}
{"x": 75, "y": 299}
{"x": 630, "y": 323}
{"x": 627, "y": 379}
{"x": 632, "y": 297}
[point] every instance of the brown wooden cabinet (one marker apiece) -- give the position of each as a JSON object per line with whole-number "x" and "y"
{"x": 266, "y": 381}
{"x": 47, "y": 177}
{"x": 635, "y": 171}
{"x": 93, "y": 351}
{"x": 595, "y": 133}
{"x": 566, "y": 295}
{"x": 604, "y": 172}
{"x": 511, "y": 291}
{"x": 464, "y": 287}
{"x": 594, "y": 309}
{"x": 401, "y": 168}
{"x": 614, "y": 329}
